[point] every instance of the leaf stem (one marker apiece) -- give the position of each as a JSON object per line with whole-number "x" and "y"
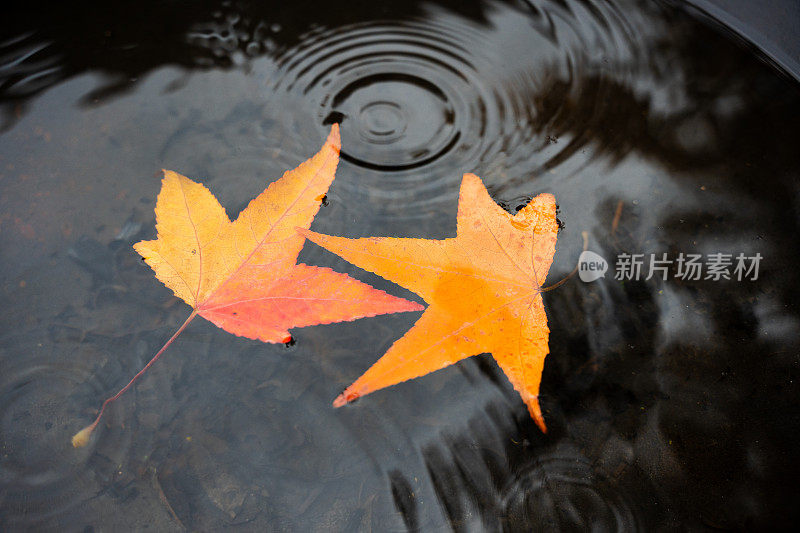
{"x": 81, "y": 438}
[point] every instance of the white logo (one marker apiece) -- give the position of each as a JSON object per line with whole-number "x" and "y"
{"x": 591, "y": 266}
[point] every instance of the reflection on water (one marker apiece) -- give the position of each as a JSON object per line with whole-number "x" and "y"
{"x": 669, "y": 402}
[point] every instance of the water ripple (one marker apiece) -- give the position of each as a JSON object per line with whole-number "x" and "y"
{"x": 422, "y": 101}
{"x": 45, "y": 395}
{"x": 565, "y": 493}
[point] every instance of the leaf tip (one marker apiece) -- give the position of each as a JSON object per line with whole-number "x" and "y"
{"x": 471, "y": 180}
{"x": 345, "y": 398}
{"x": 471, "y": 184}
{"x": 334, "y": 138}
{"x": 169, "y": 176}
{"x": 547, "y": 199}
{"x": 81, "y": 438}
{"x": 415, "y": 306}
{"x": 536, "y": 413}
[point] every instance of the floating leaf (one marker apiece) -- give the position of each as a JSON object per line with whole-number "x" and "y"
{"x": 483, "y": 288}
{"x": 243, "y": 276}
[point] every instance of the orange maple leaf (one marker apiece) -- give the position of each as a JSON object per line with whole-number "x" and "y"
{"x": 483, "y": 288}
{"x": 243, "y": 276}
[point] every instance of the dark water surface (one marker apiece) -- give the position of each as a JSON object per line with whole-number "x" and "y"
{"x": 670, "y": 402}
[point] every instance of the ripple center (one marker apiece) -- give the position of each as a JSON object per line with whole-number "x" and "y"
{"x": 384, "y": 122}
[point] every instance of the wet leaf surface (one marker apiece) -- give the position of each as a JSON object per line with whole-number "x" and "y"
{"x": 483, "y": 288}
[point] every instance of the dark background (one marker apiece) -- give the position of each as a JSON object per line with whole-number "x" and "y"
{"x": 670, "y": 403}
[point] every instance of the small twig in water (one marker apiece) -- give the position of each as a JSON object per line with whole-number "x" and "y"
{"x": 563, "y": 280}
{"x": 617, "y": 216}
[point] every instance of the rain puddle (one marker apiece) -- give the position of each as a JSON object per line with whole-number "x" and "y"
{"x": 670, "y": 398}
